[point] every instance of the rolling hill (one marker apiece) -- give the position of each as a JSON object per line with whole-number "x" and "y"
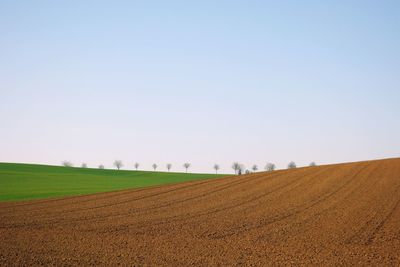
{"x": 343, "y": 214}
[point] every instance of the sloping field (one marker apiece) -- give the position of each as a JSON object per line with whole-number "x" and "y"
{"x": 31, "y": 181}
{"x": 347, "y": 214}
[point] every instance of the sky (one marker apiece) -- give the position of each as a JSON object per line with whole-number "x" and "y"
{"x": 203, "y": 82}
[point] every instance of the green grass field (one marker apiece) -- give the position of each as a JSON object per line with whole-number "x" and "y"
{"x": 30, "y": 181}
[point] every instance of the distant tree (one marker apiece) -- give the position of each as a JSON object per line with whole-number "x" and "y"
{"x": 84, "y": 165}
{"x": 169, "y": 166}
{"x": 216, "y": 168}
{"x": 292, "y": 165}
{"x": 154, "y": 166}
{"x": 270, "y": 167}
{"x": 118, "y": 164}
{"x": 242, "y": 168}
{"x": 254, "y": 168}
{"x": 186, "y": 166}
{"x": 66, "y": 163}
{"x": 136, "y": 165}
{"x": 247, "y": 172}
{"x": 101, "y": 166}
{"x": 236, "y": 167}
{"x": 313, "y": 164}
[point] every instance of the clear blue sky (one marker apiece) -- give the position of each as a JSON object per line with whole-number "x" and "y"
{"x": 199, "y": 81}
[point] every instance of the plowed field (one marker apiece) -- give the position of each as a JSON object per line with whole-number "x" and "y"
{"x": 345, "y": 214}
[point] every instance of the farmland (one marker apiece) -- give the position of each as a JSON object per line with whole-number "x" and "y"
{"x": 30, "y": 181}
{"x": 343, "y": 214}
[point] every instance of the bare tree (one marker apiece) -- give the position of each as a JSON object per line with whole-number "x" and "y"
{"x": 216, "y": 168}
{"x": 313, "y": 164}
{"x": 84, "y": 165}
{"x": 269, "y": 167}
{"x": 136, "y": 165}
{"x": 242, "y": 168}
{"x": 186, "y": 166}
{"x": 254, "y": 168}
{"x": 236, "y": 167}
{"x": 154, "y": 166}
{"x": 169, "y": 166}
{"x": 66, "y": 163}
{"x": 292, "y": 165}
{"x": 118, "y": 164}
{"x": 101, "y": 166}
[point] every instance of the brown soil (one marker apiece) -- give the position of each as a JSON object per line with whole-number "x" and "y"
{"x": 346, "y": 214}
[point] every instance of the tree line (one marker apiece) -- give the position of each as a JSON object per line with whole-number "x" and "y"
{"x": 236, "y": 166}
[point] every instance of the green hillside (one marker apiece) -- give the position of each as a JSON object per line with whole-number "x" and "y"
{"x": 30, "y": 181}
